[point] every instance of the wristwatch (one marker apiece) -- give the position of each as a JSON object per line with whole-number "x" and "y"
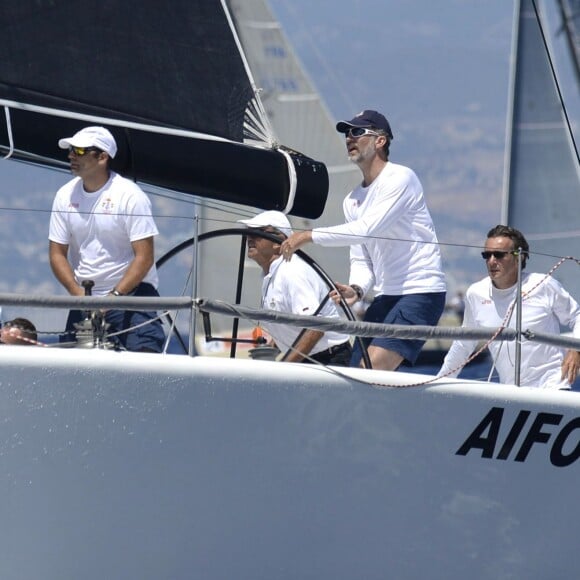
{"x": 115, "y": 292}
{"x": 358, "y": 290}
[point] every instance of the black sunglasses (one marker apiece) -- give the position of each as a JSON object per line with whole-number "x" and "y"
{"x": 497, "y": 254}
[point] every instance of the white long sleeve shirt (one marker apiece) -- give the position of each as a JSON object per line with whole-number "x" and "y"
{"x": 546, "y": 308}
{"x": 394, "y": 248}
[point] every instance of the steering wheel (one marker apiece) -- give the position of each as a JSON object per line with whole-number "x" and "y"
{"x": 243, "y": 232}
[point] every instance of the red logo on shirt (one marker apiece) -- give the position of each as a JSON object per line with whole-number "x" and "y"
{"x": 107, "y": 205}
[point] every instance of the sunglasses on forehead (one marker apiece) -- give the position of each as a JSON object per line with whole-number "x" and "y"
{"x": 356, "y": 132}
{"x": 80, "y": 151}
{"x": 497, "y": 254}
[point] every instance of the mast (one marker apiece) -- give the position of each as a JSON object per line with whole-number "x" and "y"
{"x": 510, "y": 111}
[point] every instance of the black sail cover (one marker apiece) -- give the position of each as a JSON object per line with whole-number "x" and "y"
{"x": 172, "y": 65}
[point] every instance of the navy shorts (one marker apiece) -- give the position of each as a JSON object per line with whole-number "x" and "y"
{"x": 149, "y": 337}
{"x": 410, "y": 310}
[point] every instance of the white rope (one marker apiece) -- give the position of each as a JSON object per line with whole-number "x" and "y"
{"x": 112, "y": 122}
{"x": 293, "y": 181}
{"x": 9, "y": 131}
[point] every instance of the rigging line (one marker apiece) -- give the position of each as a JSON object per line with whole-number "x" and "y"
{"x": 205, "y": 203}
{"x": 157, "y": 216}
{"x": 225, "y": 209}
{"x": 113, "y": 122}
{"x": 363, "y": 237}
{"x": 154, "y": 191}
{"x": 173, "y": 319}
{"x": 568, "y": 27}
{"x": 255, "y": 125}
{"x": 557, "y": 84}
{"x": 194, "y": 200}
{"x": 246, "y": 213}
{"x": 240, "y": 212}
{"x": 257, "y": 100}
{"x": 140, "y": 325}
{"x": 9, "y": 131}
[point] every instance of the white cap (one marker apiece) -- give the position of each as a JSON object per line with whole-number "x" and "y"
{"x": 274, "y": 219}
{"x": 91, "y": 137}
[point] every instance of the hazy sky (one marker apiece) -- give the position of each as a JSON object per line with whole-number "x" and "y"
{"x": 411, "y": 58}
{"x": 416, "y": 58}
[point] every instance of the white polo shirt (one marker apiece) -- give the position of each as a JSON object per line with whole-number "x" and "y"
{"x": 294, "y": 287}
{"x": 99, "y": 227}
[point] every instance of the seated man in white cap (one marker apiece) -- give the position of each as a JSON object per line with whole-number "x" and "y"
{"x": 294, "y": 287}
{"x": 102, "y": 230}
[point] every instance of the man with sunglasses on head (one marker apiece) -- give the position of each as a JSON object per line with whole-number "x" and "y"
{"x": 294, "y": 287}
{"x": 546, "y": 306}
{"x": 102, "y": 230}
{"x": 393, "y": 246}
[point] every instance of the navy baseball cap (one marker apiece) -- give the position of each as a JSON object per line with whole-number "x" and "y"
{"x": 367, "y": 118}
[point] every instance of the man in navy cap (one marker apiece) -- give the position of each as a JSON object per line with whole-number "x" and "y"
{"x": 393, "y": 246}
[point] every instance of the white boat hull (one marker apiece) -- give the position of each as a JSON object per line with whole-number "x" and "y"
{"x": 121, "y": 465}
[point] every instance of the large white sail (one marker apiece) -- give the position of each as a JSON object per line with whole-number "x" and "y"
{"x": 542, "y": 194}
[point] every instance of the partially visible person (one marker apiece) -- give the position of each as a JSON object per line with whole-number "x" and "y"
{"x": 393, "y": 245}
{"x": 295, "y": 288}
{"x": 546, "y": 306}
{"x": 457, "y": 305}
{"x": 102, "y": 230}
{"x": 18, "y": 331}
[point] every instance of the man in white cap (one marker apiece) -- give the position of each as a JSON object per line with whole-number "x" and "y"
{"x": 102, "y": 230}
{"x": 294, "y": 287}
{"x": 393, "y": 247}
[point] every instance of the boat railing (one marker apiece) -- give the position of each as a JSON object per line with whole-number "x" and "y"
{"x": 373, "y": 329}
{"x": 353, "y": 328}
{"x": 98, "y": 302}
